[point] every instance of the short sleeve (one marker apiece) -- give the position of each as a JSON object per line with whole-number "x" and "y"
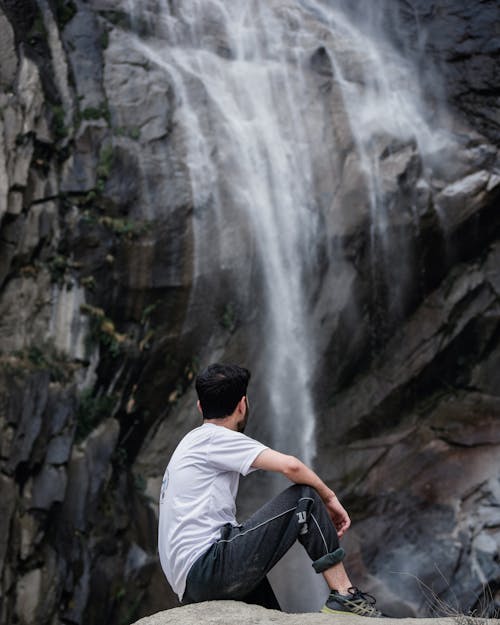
{"x": 233, "y": 451}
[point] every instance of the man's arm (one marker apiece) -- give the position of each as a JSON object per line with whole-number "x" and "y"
{"x": 296, "y": 471}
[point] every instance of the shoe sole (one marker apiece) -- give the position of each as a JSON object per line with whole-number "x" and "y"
{"x": 327, "y": 610}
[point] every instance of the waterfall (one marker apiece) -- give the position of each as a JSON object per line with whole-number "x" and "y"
{"x": 249, "y": 158}
{"x": 285, "y": 111}
{"x": 265, "y": 171}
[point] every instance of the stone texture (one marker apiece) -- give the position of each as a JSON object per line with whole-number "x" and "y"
{"x": 29, "y": 594}
{"x": 225, "y": 612}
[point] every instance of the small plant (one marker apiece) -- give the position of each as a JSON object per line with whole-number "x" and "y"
{"x": 139, "y": 482}
{"x": 105, "y": 39}
{"x": 125, "y": 227}
{"x": 57, "y": 266}
{"x": 58, "y": 125}
{"x": 88, "y": 282}
{"x": 135, "y": 133}
{"x": 106, "y": 158}
{"x": 37, "y": 31}
{"x": 65, "y": 11}
{"x": 91, "y": 112}
{"x": 147, "y": 312}
{"x": 92, "y": 410}
{"x": 43, "y": 357}
{"x": 102, "y": 330}
{"x": 228, "y": 319}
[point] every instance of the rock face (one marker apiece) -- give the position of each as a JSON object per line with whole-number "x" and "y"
{"x": 110, "y": 301}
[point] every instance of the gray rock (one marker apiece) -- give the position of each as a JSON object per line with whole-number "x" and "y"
{"x": 229, "y": 612}
{"x": 26, "y": 407}
{"x": 88, "y": 471}
{"x": 4, "y": 183}
{"x": 29, "y": 596}
{"x": 30, "y": 535}
{"x": 458, "y": 201}
{"x": 75, "y": 502}
{"x": 59, "y": 448}
{"x": 8, "y": 495}
{"x": 80, "y": 169}
{"x": 8, "y": 56}
{"x": 49, "y": 487}
{"x": 83, "y": 38}
{"x": 138, "y": 91}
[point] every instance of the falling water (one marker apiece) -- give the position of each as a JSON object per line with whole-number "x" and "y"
{"x": 244, "y": 99}
{"x": 264, "y": 166}
{"x": 250, "y": 71}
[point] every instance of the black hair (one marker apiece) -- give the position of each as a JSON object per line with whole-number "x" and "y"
{"x": 220, "y": 388}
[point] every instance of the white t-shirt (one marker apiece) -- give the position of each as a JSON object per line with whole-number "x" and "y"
{"x": 198, "y": 495}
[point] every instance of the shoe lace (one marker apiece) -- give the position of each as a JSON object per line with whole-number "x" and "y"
{"x": 358, "y": 594}
{"x": 363, "y": 600}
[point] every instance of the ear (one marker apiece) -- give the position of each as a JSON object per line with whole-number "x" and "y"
{"x": 242, "y": 405}
{"x": 198, "y": 405}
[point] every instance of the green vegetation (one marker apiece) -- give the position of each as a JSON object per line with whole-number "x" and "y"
{"x": 88, "y": 282}
{"x": 228, "y": 319}
{"x": 91, "y": 112}
{"x": 106, "y": 158}
{"x": 92, "y": 410}
{"x": 104, "y": 39}
{"x": 43, "y": 357}
{"x": 148, "y": 311}
{"x": 58, "y": 125}
{"x": 57, "y": 266}
{"x": 37, "y": 31}
{"x": 102, "y": 330}
{"x": 120, "y": 226}
{"x": 65, "y": 11}
{"x": 139, "y": 482}
{"x": 132, "y": 133}
{"x": 125, "y": 227}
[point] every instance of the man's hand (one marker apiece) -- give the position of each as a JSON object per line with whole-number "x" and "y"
{"x": 338, "y": 515}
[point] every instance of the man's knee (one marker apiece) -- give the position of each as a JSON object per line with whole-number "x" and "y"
{"x": 303, "y": 491}
{"x": 307, "y": 494}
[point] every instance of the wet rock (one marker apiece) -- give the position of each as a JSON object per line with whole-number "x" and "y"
{"x": 138, "y": 92}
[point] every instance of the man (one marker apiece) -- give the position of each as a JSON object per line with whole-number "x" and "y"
{"x": 204, "y": 552}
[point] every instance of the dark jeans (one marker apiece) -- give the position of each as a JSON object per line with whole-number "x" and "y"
{"x": 235, "y": 567}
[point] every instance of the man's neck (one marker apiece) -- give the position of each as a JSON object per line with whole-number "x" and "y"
{"x": 225, "y": 422}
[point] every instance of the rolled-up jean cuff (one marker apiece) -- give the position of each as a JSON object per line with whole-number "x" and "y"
{"x": 325, "y": 562}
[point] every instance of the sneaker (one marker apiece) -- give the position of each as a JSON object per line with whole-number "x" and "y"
{"x": 356, "y": 602}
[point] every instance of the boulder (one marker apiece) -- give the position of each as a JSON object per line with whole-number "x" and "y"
{"x": 229, "y": 612}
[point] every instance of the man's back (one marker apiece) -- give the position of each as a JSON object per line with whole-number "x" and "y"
{"x": 198, "y": 495}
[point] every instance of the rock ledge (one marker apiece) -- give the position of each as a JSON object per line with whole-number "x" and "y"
{"x": 231, "y": 612}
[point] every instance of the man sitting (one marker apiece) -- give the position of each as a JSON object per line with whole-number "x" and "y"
{"x": 205, "y": 553}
